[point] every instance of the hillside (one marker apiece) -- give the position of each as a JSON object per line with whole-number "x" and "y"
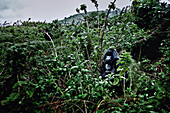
{"x": 77, "y": 18}
{"x": 56, "y": 68}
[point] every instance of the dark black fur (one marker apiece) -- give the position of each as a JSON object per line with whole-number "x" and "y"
{"x": 112, "y": 62}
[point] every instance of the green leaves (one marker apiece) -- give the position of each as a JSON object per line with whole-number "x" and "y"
{"x": 30, "y": 92}
{"x": 32, "y": 80}
{"x": 149, "y": 9}
{"x": 112, "y": 5}
{"x": 77, "y": 10}
{"x": 83, "y": 7}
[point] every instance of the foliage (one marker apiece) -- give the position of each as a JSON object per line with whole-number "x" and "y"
{"x": 34, "y": 79}
{"x": 150, "y": 13}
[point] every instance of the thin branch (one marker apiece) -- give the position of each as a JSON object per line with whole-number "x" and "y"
{"x": 2, "y": 71}
{"x": 118, "y": 41}
{"x": 89, "y": 66}
{"x": 149, "y": 35}
{"x": 141, "y": 40}
{"x": 87, "y": 53}
{"x": 102, "y": 37}
{"x": 103, "y": 31}
{"x": 85, "y": 106}
{"x": 79, "y": 108}
{"x": 99, "y": 105}
{"x": 98, "y": 22}
{"x": 52, "y": 43}
{"x": 54, "y": 81}
{"x": 88, "y": 28}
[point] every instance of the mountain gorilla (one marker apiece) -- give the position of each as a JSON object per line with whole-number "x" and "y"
{"x": 109, "y": 64}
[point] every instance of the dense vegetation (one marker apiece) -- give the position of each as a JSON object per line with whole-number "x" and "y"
{"x": 55, "y": 67}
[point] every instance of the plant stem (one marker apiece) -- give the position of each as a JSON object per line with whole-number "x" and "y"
{"x": 85, "y": 106}
{"x": 99, "y": 105}
{"x": 98, "y": 23}
{"x": 52, "y": 43}
{"x": 102, "y": 37}
{"x": 124, "y": 86}
{"x": 130, "y": 71}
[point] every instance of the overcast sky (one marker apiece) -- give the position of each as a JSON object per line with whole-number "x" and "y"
{"x": 41, "y": 10}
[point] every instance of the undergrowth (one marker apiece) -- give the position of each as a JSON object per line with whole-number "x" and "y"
{"x": 55, "y": 67}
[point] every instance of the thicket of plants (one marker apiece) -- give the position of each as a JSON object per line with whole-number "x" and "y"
{"x": 54, "y": 67}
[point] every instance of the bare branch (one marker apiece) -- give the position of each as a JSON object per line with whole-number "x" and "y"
{"x": 141, "y": 40}
{"x": 52, "y": 43}
{"x": 2, "y": 71}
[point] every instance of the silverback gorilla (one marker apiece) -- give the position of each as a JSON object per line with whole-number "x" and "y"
{"x": 109, "y": 64}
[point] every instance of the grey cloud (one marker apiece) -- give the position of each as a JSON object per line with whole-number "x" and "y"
{"x": 10, "y": 8}
{"x": 10, "y": 4}
{"x": 1, "y": 16}
{"x": 4, "y": 5}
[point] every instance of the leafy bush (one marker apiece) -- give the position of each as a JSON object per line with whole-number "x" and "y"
{"x": 51, "y": 67}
